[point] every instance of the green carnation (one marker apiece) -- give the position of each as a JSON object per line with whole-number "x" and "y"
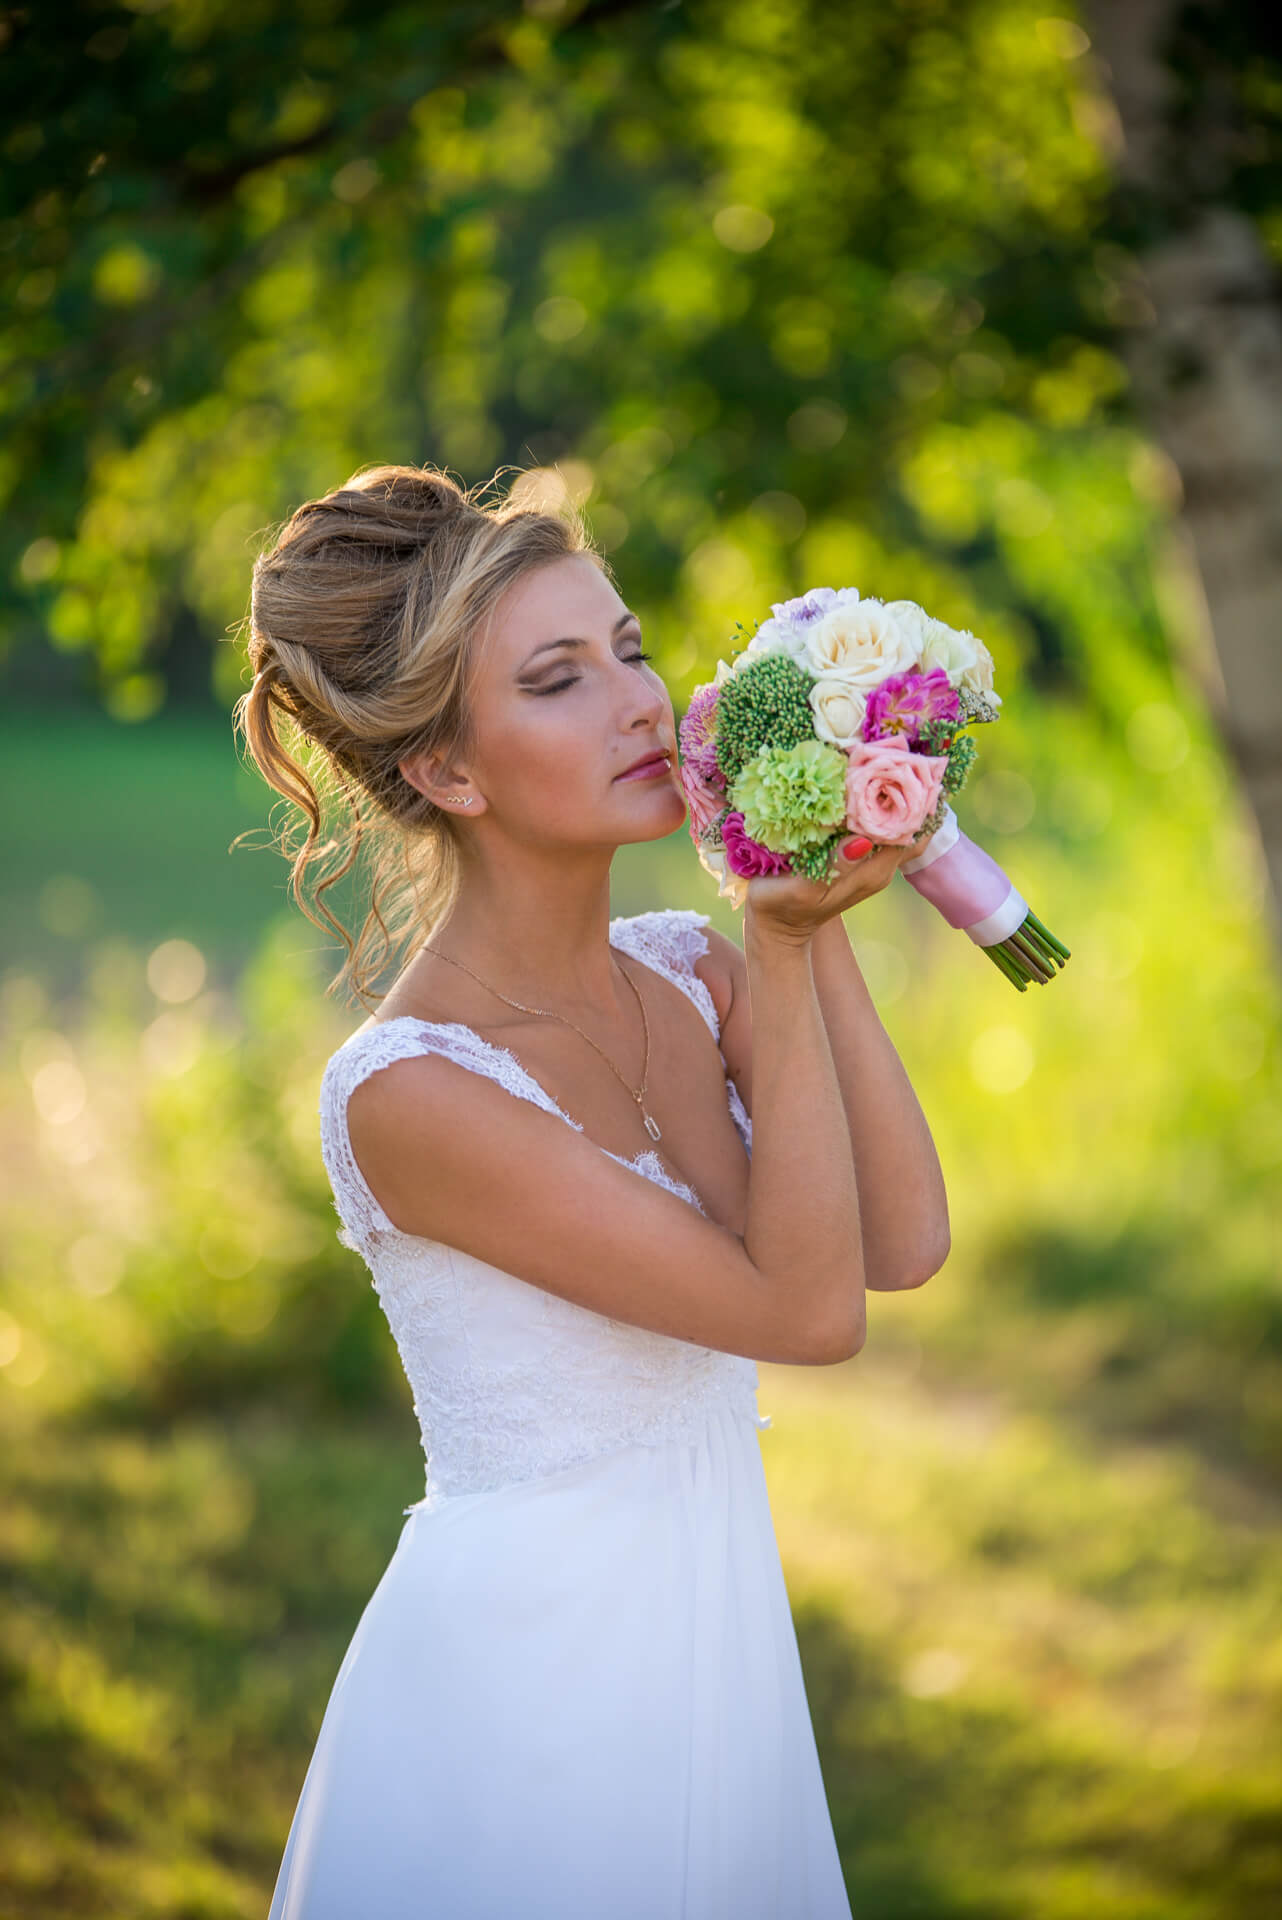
{"x": 763, "y": 704}
{"x": 792, "y": 796}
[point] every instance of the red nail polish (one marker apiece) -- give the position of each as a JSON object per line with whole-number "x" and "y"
{"x": 856, "y": 849}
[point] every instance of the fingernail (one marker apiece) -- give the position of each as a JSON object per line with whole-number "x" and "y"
{"x": 856, "y": 849}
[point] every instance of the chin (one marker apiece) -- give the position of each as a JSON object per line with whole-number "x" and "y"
{"x": 662, "y": 821}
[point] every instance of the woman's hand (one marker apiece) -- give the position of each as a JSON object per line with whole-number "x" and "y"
{"x": 791, "y": 905}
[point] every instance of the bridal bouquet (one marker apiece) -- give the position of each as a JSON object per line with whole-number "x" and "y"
{"x": 847, "y": 715}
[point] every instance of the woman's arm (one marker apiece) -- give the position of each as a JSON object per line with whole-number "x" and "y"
{"x": 902, "y": 1203}
{"x": 452, "y": 1157}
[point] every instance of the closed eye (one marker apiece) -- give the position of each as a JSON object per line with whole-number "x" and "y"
{"x": 559, "y": 686}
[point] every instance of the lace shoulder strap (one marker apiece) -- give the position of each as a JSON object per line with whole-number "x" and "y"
{"x": 670, "y": 939}
{"x": 365, "y": 1052}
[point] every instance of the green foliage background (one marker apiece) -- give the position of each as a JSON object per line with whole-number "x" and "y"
{"x": 784, "y": 293}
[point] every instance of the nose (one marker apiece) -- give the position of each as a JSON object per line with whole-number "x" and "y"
{"x": 646, "y": 702}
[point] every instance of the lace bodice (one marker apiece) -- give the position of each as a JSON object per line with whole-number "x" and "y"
{"x": 510, "y": 1381}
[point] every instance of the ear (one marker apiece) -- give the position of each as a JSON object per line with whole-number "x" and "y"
{"x": 448, "y": 786}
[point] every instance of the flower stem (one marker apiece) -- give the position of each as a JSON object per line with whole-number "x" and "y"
{"x": 1031, "y": 938}
{"x": 1031, "y": 958}
{"x": 1056, "y": 946}
{"x": 1002, "y": 961}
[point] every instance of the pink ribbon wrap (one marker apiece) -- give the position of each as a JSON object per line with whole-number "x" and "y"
{"x": 966, "y": 885}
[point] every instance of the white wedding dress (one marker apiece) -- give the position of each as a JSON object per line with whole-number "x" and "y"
{"x": 575, "y": 1693}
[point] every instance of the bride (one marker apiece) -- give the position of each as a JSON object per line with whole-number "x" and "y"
{"x": 575, "y": 1693}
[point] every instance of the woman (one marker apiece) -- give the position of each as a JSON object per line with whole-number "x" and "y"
{"x": 575, "y": 1693}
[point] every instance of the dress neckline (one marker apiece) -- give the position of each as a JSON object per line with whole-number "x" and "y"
{"x": 637, "y": 1160}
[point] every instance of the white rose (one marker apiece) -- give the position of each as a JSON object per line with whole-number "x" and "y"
{"x": 860, "y": 643}
{"x": 913, "y": 621}
{"x": 945, "y": 647}
{"x": 979, "y": 678}
{"x": 731, "y": 886}
{"x": 839, "y": 712}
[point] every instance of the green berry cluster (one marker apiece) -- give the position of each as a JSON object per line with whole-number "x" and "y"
{"x": 815, "y": 860}
{"x": 763, "y": 705}
{"x": 933, "y": 736}
{"x": 961, "y": 759}
{"x": 932, "y": 823}
{"x": 944, "y": 737}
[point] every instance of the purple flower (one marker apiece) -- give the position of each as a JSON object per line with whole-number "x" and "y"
{"x": 806, "y": 607}
{"x": 790, "y": 620}
{"x": 904, "y": 701}
{"x": 747, "y": 856}
{"x": 696, "y": 736}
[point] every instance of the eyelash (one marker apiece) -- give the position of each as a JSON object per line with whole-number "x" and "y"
{"x": 559, "y": 686}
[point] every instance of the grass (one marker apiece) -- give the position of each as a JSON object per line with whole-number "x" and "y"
{"x": 126, "y": 829}
{"x": 178, "y": 1605}
{"x": 1028, "y": 1657}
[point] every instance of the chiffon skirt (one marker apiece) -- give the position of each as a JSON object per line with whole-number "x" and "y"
{"x": 577, "y": 1698}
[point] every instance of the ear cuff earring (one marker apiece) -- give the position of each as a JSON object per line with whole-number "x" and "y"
{"x": 456, "y": 800}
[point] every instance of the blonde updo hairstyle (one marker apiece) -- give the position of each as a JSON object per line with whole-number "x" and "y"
{"x": 364, "y": 625}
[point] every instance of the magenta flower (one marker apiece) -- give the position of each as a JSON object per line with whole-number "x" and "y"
{"x": 747, "y": 856}
{"x": 695, "y": 734}
{"x": 904, "y": 701}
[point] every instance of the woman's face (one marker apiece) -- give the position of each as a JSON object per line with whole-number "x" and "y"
{"x": 564, "y": 703}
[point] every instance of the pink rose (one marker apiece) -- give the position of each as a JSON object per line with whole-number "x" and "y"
{"x": 890, "y": 789}
{"x": 705, "y": 802}
{"x": 747, "y": 856}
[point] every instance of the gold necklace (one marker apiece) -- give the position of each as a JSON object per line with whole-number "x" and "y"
{"x": 638, "y": 1093}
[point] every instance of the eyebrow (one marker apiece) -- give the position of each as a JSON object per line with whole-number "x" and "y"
{"x": 544, "y": 646}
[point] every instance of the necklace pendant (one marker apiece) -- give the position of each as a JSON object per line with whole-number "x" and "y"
{"x": 652, "y": 1127}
